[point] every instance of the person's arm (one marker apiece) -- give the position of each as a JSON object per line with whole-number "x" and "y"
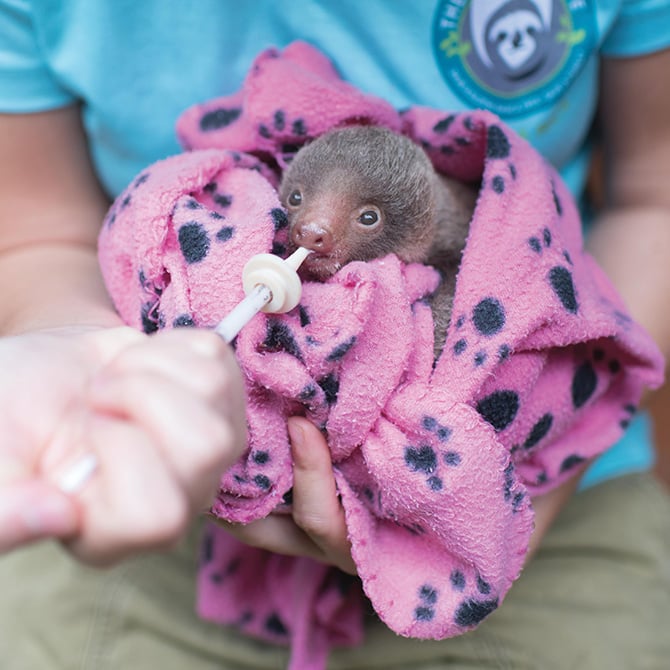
{"x": 51, "y": 208}
{"x": 631, "y": 239}
{"x": 162, "y": 415}
{"x": 658, "y": 409}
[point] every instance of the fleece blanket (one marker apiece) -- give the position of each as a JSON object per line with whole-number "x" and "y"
{"x": 435, "y": 461}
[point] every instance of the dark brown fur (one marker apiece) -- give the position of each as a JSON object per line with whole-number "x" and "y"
{"x": 347, "y": 175}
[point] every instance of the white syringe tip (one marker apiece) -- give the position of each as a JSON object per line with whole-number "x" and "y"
{"x": 279, "y": 275}
{"x": 296, "y": 259}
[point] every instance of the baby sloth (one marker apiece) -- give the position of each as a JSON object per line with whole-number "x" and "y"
{"x": 362, "y": 192}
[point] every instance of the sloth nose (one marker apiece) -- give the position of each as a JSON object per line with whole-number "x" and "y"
{"x": 313, "y": 236}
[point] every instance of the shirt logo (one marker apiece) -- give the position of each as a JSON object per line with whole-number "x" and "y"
{"x": 512, "y": 56}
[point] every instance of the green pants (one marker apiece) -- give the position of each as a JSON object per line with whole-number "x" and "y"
{"x": 596, "y": 596}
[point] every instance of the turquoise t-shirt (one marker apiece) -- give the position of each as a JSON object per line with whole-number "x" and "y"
{"x": 135, "y": 66}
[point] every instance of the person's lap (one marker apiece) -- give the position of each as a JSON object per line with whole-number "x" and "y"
{"x": 597, "y": 595}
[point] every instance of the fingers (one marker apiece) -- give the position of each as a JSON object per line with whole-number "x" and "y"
{"x": 316, "y": 505}
{"x": 132, "y": 502}
{"x": 277, "y": 533}
{"x": 197, "y": 441}
{"x": 185, "y": 390}
{"x": 163, "y": 419}
{"x": 33, "y": 510}
{"x": 316, "y": 528}
{"x": 188, "y": 357}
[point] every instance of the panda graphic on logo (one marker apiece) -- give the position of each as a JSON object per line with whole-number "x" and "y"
{"x": 511, "y": 55}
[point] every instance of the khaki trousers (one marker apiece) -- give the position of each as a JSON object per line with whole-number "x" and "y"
{"x": 596, "y": 596}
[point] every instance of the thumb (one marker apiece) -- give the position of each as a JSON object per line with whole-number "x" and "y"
{"x": 311, "y": 455}
{"x": 31, "y": 511}
{"x": 316, "y": 505}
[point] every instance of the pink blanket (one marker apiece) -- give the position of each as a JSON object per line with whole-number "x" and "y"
{"x": 541, "y": 370}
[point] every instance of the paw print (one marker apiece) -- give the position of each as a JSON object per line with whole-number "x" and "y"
{"x": 488, "y": 318}
{"x": 428, "y": 596}
{"x": 559, "y": 276}
{"x": 426, "y": 458}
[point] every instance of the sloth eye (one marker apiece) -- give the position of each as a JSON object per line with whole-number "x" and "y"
{"x": 369, "y": 217}
{"x": 295, "y": 198}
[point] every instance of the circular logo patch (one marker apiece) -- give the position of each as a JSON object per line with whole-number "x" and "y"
{"x": 512, "y": 56}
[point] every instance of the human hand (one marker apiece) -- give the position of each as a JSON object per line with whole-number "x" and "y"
{"x": 162, "y": 415}
{"x": 316, "y": 526}
{"x": 32, "y": 510}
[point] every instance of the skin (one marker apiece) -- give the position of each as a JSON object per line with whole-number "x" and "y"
{"x": 163, "y": 415}
{"x": 658, "y": 409}
{"x": 159, "y": 455}
{"x": 632, "y": 238}
{"x": 631, "y": 241}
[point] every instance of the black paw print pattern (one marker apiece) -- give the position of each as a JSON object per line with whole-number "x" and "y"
{"x": 478, "y": 333}
{"x": 181, "y": 212}
{"x": 248, "y": 476}
{"x": 297, "y": 366}
{"x": 439, "y": 460}
{"x": 485, "y": 329}
{"x": 289, "y": 134}
{"x": 318, "y": 358}
{"x": 219, "y": 117}
{"x": 471, "y": 599}
{"x": 529, "y": 420}
{"x": 428, "y": 596}
{"x": 455, "y": 143}
{"x": 428, "y": 458}
{"x": 559, "y": 275}
{"x": 270, "y": 114}
{"x": 486, "y": 320}
{"x": 234, "y": 583}
{"x": 277, "y": 130}
{"x": 498, "y": 147}
{"x": 201, "y": 222}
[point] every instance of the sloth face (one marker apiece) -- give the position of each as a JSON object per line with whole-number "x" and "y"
{"x": 516, "y": 43}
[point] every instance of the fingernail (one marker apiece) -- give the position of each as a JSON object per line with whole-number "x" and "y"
{"x": 296, "y": 433}
{"x": 205, "y": 345}
{"x": 53, "y": 515}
